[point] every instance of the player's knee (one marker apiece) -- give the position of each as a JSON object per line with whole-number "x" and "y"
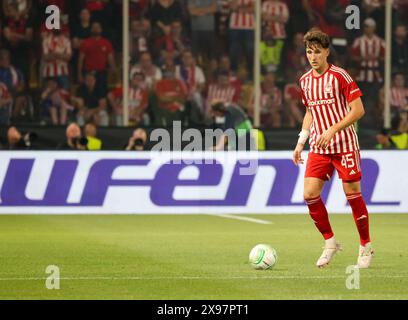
{"x": 351, "y": 187}
{"x": 310, "y": 194}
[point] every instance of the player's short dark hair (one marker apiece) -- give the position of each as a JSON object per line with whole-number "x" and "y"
{"x": 316, "y": 37}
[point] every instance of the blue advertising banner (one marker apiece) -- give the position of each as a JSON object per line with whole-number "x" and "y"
{"x": 185, "y": 182}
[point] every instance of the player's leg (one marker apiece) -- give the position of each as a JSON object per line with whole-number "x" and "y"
{"x": 317, "y": 210}
{"x": 348, "y": 167}
{"x": 318, "y": 169}
{"x": 360, "y": 214}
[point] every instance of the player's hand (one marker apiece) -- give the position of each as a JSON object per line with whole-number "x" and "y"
{"x": 324, "y": 140}
{"x": 297, "y": 154}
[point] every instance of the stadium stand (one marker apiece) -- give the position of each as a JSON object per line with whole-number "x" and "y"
{"x": 203, "y": 49}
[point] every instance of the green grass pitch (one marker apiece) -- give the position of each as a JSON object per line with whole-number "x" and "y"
{"x": 194, "y": 257}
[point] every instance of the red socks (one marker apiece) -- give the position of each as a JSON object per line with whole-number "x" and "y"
{"x": 318, "y": 212}
{"x": 360, "y": 215}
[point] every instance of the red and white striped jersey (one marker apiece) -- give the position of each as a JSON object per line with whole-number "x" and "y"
{"x": 138, "y": 98}
{"x": 365, "y": 47}
{"x": 61, "y": 45}
{"x": 243, "y": 20}
{"x": 226, "y": 94}
{"x": 327, "y": 97}
{"x": 276, "y": 9}
{"x": 399, "y": 97}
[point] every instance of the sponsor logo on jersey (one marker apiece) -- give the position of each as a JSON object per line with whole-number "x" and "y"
{"x": 320, "y": 102}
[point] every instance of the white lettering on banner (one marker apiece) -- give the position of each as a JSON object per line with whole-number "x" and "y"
{"x": 152, "y": 183}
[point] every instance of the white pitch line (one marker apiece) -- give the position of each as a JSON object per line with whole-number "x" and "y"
{"x": 242, "y": 218}
{"x": 201, "y": 278}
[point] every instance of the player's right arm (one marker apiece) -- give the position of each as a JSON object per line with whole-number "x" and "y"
{"x": 307, "y": 122}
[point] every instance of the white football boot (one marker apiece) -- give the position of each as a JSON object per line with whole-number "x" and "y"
{"x": 365, "y": 254}
{"x": 329, "y": 250}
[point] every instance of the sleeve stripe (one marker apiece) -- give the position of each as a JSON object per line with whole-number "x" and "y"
{"x": 343, "y": 73}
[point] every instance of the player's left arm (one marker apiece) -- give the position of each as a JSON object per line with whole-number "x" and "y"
{"x": 356, "y": 113}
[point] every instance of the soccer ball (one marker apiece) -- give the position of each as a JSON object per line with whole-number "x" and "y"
{"x": 263, "y": 257}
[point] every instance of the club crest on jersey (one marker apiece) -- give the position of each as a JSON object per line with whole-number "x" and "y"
{"x": 328, "y": 88}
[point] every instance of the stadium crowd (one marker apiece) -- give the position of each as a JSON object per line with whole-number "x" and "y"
{"x": 185, "y": 55}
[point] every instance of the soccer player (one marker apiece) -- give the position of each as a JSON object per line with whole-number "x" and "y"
{"x": 333, "y": 105}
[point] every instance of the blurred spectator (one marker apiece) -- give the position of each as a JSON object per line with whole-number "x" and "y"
{"x": 96, "y": 55}
{"x": 17, "y": 8}
{"x": 174, "y": 42}
{"x": 396, "y": 139}
{"x": 294, "y": 109}
{"x": 139, "y": 39}
{"x": 375, "y": 9}
{"x": 385, "y": 141}
{"x": 81, "y": 31}
{"x": 152, "y": 72}
{"x": 271, "y": 102}
{"x": 56, "y": 101}
{"x": 91, "y": 102}
{"x": 402, "y": 9}
{"x": 137, "y": 8}
{"x": 221, "y": 26}
{"x": 162, "y": 14}
{"x": 231, "y": 116}
{"x": 399, "y": 92}
{"x": 296, "y": 58}
{"x": 328, "y": 16}
{"x": 241, "y": 32}
{"x": 101, "y": 10}
{"x": 298, "y": 22}
{"x": 17, "y": 140}
{"x": 10, "y": 75}
{"x": 398, "y": 98}
{"x": 91, "y": 135}
{"x": 202, "y": 13}
{"x": 275, "y": 15}
{"x": 368, "y": 52}
{"x": 222, "y": 91}
{"x": 169, "y": 63}
{"x": 400, "y": 49}
{"x": 57, "y": 51}
{"x": 271, "y": 53}
{"x": 18, "y": 36}
{"x": 14, "y": 139}
{"x": 14, "y": 80}
{"x": 193, "y": 77}
{"x": 138, "y": 141}
{"x": 74, "y": 140}
{"x": 5, "y": 104}
{"x": 138, "y": 102}
{"x": 169, "y": 99}
{"x": 224, "y": 65}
